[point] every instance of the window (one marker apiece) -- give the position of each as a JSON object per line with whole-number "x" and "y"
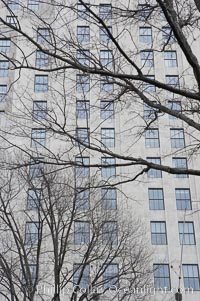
{"x": 186, "y": 233}
{"x": 103, "y": 35}
{"x": 147, "y": 58}
{"x": 82, "y": 109}
{"x": 82, "y": 12}
{"x": 5, "y": 45}
{"x": 156, "y": 199}
{"x": 149, "y": 87}
{"x": 161, "y": 276}
{"x": 108, "y": 169}
{"x": 81, "y": 275}
{"x": 38, "y": 138}
{"x": 172, "y": 81}
{"x": 39, "y": 110}
{"x": 152, "y": 138}
{"x": 177, "y": 138}
{"x": 83, "y": 136}
{"x": 110, "y": 233}
{"x": 183, "y": 199}
{"x": 105, "y": 11}
{"x": 12, "y": 20}
{"x": 158, "y": 233}
{"x": 13, "y": 4}
{"x": 3, "y": 92}
{"x": 41, "y": 83}
{"x": 109, "y": 198}
{"x": 154, "y": 173}
{"x": 33, "y": 199}
{"x": 191, "y": 276}
{"x": 106, "y": 58}
{"x": 32, "y": 233}
{"x": 167, "y": 35}
{"x": 110, "y": 276}
{"x": 106, "y": 84}
{"x": 4, "y": 68}
{"x": 82, "y": 83}
{"x": 81, "y": 233}
{"x": 83, "y": 57}
{"x": 180, "y": 163}
{"x": 82, "y": 171}
{"x": 144, "y": 11}
{"x": 33, "y": 4}
{"x": 107, "y": 109}
{"x": 32, "y": 270}
{"x": 42, "y": 59}
{"x": 83, "y": 34}
{"x": 36, "y": 169}
{"x": 43, "y": 35}
{"x": 145, "y": 34}
{"x": 174, "y": 106}
{"x": 108, "y": 137}
{"x": 170, "y": 59}
{"x": 149, "y": 112}
{"x": 82, "y": 199}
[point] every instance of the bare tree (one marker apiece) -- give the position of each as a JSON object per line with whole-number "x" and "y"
{"x": 60, "y": 73}
{"x": 57, "y": 243}
{"x": 83, "y": 63}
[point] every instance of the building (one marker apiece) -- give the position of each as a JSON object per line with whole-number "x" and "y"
{"x": 79, "y": 126}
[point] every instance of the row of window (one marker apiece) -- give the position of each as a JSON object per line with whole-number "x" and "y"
{"x": 150, "y": 112}
{"x": 190, "y": 276}
{"x": 105, "y": 10}
{"x": 176, "y": 136}
{"x": 108, "y": 168}
{"x": 159, "y": 233}
{"x": 145, "y": 35}
{"x": 32, "y": 4}
{"x": 83, "y": 84}
{"x": 180, "y": 163}
{"x": 156, "y": 199}
{"x": 110, "y": 233}
{"x": 151, "y": 137}
{"x": 109, "y": 199}
{"x": 110, "y": 276}
{"x": 81, "y": 233}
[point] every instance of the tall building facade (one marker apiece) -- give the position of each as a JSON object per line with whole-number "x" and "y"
{"x": 90, "y": 94}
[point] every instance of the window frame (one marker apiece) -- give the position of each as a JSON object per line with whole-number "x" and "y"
{"x": 158, "y": 233}
{"x": 188, "y": 277}
{"x": 177, "y": 137}
{"x": 82, "y": 86}
{"x": 145, "y": 38}
{"x": 105, "y": 111}
{"x": 170, "y": 62}
{"x": 41, "y": 83}
{"x": 109, "y": 200}
{"x": 31, "y": 237}
{"x": 83, "y": 33}
{"x": 108, "y": 137}
{"x": 162, "y": 276}
{"x": 105, "y": 11}
{"x": 152, "y": 141}
{"x": 154, "y": 173}
{"x": 81, "y": 237}
{"x": 185, "y": 200}
{"x": 38, "y": 137}
{"x": 148, "y": 60}
{"x": 186, "y": 238}
{"x": 109, "y": 171}
{"x": 156, "y": 203}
